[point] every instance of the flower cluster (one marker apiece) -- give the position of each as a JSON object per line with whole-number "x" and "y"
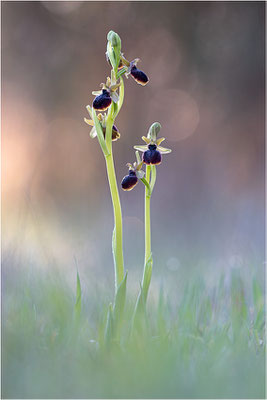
{"x": 109, "y": 90}
{"x": 151, "y": 156}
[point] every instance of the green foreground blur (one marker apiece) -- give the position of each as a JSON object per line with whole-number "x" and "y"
{"x": 210, "y": 345}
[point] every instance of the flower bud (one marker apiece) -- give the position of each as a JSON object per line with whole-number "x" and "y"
{"x": 114, "y": 49}
{"x": 153, "y": 131}
{"x": 114, "y": 39}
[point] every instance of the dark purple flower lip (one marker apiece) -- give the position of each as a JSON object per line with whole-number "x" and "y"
{"x": 129, "y": 181}
{"x": 102, "y": 101}
{"x": 139, "y": 76}
{"x": 152, "y": 155}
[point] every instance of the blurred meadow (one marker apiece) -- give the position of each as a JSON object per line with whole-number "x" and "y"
{"x": 206, "y": 64}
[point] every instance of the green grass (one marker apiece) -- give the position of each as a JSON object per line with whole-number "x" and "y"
{"x": 209, "y": 344}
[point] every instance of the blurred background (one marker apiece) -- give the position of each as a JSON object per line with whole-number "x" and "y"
{"x": 206, "y": 67}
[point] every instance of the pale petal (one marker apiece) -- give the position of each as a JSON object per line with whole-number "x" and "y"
{"x": 97, "y": 92}
{"x": 93, "y": 133}
{"x": 145, "y": 139}
{"x": 163, "y": 150}
{"x": 140, "y": 174}
{"x": 114, "y": 96}
{"x": 141, "y": 148}
{"x": 89, "y": 122}
{"x": 160, "y": 140}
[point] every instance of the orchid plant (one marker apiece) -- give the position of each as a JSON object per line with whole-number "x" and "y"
{"x": 103, "y": 112}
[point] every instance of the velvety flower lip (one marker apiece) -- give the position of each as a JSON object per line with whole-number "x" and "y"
{"x": 105, "y": 96}
{"x": 102, "y": 101}
{"x": 129, "y": 181}
{"x": 135, "y": 173}
{"x": 152, "y": 151}
{"x": 152, "y": 155}
{"x": 139, "y": 76}
{"x": 102, "y": 118}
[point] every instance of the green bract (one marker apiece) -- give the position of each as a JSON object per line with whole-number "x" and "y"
{"x": 114, "y": 49}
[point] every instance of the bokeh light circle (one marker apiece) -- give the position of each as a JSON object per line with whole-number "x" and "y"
{"x": 177, "y": 112}
{"x": 61, "y": 7}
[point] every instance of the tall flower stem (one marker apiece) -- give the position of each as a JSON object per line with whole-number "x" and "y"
{"x": 117, "y": 245}
{"x": 115, "y": 311}
{"x": 106, "y": 145}
{"x": 117, "y": 235}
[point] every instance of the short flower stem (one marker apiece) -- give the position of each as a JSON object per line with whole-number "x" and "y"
{"x": 147, "y": 218}
{"x": 142, "y": 297}
{"x": 148, "y": 256}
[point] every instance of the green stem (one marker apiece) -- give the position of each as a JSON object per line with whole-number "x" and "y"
{"x": 142, "y": 297}
{"x": 153, "y": 177}
{"x": 117, "y": 239}
{"x": 148, "y": 256}
{"x": 145, "y": 182}
{"x": 147, "y": 219}
{"x": 117, "y": 235}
